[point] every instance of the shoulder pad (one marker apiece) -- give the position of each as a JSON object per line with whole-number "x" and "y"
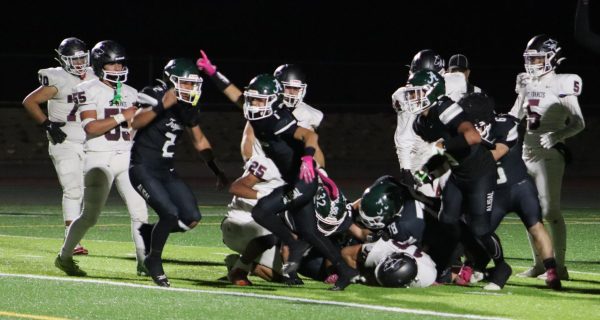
{"x": 52, "y": 77}
{"x": 568, "y": 84}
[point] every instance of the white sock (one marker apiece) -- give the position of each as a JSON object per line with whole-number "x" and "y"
{"x": 138, "y": 241}
{"x": 76, "y": 231}
{"x": 558, "y": 231}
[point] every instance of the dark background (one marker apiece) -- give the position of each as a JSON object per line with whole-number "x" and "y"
{"x": 354, "y": 53}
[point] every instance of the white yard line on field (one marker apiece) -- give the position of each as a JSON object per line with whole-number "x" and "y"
{"x": 260, "y": 296}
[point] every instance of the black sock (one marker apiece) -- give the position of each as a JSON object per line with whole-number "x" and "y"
{"x": 550, "y": 263}
{"x": 160, "y": 234}
{"x": 492, "y": 245}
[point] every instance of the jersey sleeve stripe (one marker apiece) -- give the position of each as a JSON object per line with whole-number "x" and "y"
{"x": 513, "y": 134}
{"x": 450, "y": 113}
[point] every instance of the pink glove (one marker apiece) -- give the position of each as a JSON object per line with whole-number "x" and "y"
{"x": 329, "y": 185}
{"x": 205, "y": 65}
{"x": 307, "y": 171}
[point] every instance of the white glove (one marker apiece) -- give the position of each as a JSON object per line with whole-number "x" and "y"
{"x": 548, "y": 140}
{"x": 146, "y": 100}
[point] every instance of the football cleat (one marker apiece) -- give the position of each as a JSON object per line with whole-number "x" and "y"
{"x": 531, "y": 272}
{"x": 499, "y": 277}
{"x": 80, "y": 250}
{"x": 230, "y": 261}
{"x": 154, "y": 267}
{"x": 69, "y": 266}
{"x": 239, "y": 277}
{"x": 553, "y": 280}
{"x": 292, "y": 280}
{"x": 464, "y": 276}
{"x": 346, "y": 276}
{"x": 331, "y": 279}
{"x": 563, "y": 274}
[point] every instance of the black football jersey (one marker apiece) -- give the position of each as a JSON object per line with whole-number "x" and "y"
{"x": 408, "y": 226}
{"x": 511, "y": 167}
{"x": 276, "y": 136}
{"x": 154, "y": 145}
{"x": 442, "y": 121}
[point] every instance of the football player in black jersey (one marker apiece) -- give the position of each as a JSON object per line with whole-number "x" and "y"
{"x": 292, "y": 149}
{"x": 470, "y": 187}
{"x": 172, "y": 108}
{"x": 515, "y": 190}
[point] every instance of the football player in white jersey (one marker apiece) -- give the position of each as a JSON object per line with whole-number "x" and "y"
{"x": 240, "y": 232}
{"x": 549, "y": 101}
{"x": 413, "y": 152}
{"x": 294, "y": 86}
{"x": 63, "y": 125}
{"x": 106, "y": 106}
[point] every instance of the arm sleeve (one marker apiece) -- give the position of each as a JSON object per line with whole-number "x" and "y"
{"x": 583, "y": 32}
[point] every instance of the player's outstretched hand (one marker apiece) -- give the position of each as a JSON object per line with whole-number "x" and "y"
{"x": 205, "y": 65}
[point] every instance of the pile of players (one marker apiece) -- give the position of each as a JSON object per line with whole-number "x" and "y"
{"x": 462, "y": 169}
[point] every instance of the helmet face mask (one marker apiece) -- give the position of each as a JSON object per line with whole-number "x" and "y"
{"x": 109, "y": 62}
{"x": 114, "y": 74}
{"x": 294, "y": 84}
{"x": 73, "y": 56}
{"x": 260, "y": 96}
{"x": 542, "y": 55}
{"x": 422, "y": 91}
{"x": 183, "y": 75}
{"x": 293, "y": 92}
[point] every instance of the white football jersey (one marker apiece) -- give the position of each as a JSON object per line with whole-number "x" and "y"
{"x": 412, "y": 151}
{"x": 307, "y": 117}
{"x": 62, "y": 108}
{"x": 548, "y": 102}
{"x": 99, "y": 97}
{"x": 377, "y": 251}
{"x": 263, "y": 168}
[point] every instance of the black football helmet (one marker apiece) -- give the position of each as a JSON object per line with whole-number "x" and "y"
{"x": 398, "y": 269}
{"x": 380, "y": 203}
{"x": 542, "y": 55}
{"x": 291, "y": 77}
{"x": 480, "y": 108}
{"x": 107, "y": 52}
{"x": 260, "y": 96}
{"x": 73, "y": 56}
{"x": 183, "y": 75}
{"x": 429, "y": 60}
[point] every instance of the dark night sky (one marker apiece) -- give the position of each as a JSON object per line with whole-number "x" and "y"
{"x": 354, "y": 54}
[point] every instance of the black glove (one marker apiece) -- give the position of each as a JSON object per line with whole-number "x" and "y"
{"x": 53, "y": 129}
{"x": 222, "y": 181}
